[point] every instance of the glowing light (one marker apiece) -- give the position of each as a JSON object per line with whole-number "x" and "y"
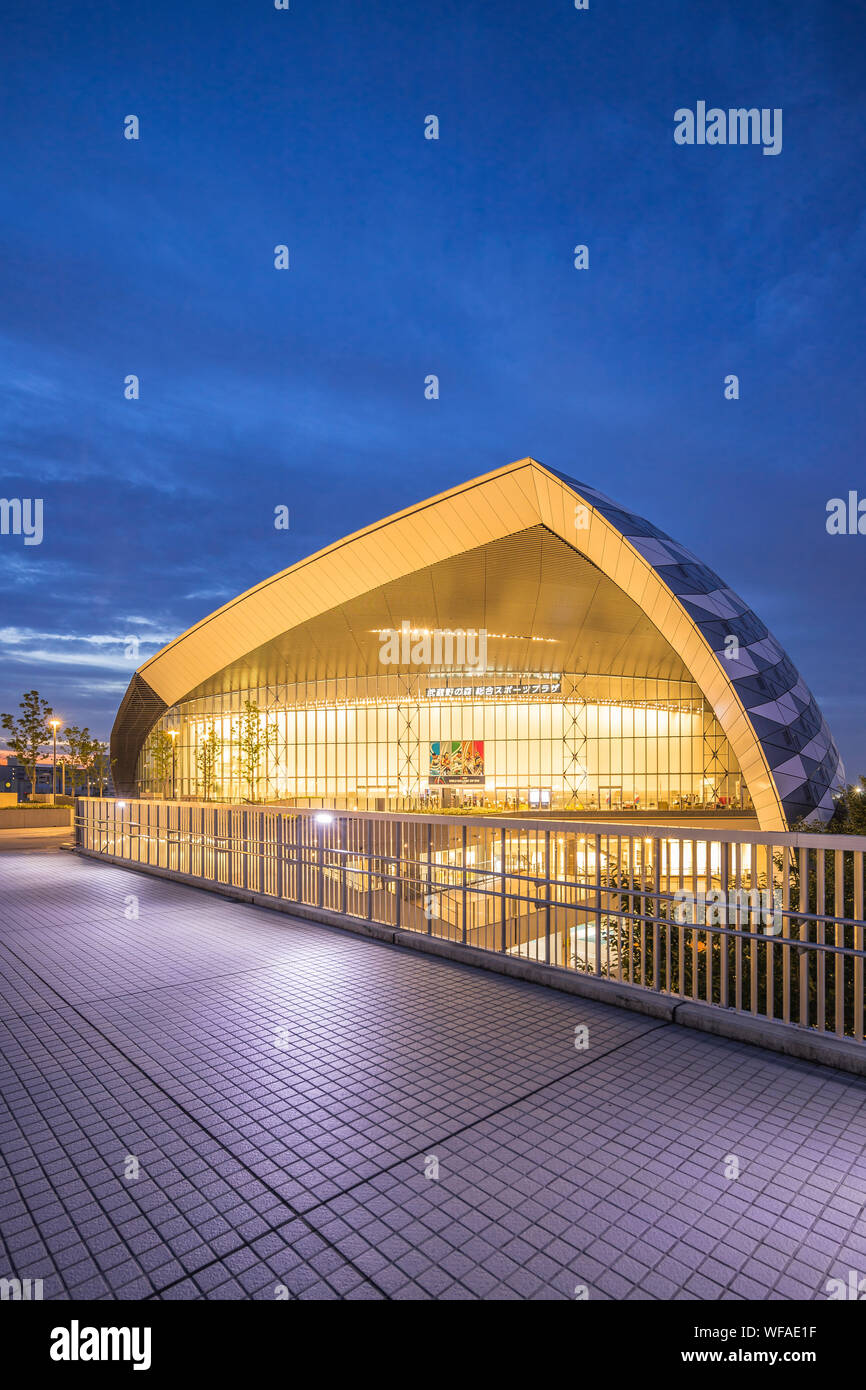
{"x": 464, "y": 631}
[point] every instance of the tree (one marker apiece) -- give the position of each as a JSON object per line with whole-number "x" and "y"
{"x": 27, "y": 735}
{"x": 100, "y": 764}
{"x": 66, "y": 761}
{"x": 94, "y": 748}
{"x": 253, "y": 739}
{"x": 78, "y": 756}
{"x": 160, "y": 752}
{"x": 646, "y": 943}
{"x": 88, "y": 751}
{"x": 849, "y": 817}
{"x": 207, "y": 755}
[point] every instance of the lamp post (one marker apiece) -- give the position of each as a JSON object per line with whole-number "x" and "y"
{"x": 172, "y": 733}
{"x": 55, "y": 725}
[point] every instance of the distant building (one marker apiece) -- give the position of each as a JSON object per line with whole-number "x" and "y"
{"x": 15, "y": 777}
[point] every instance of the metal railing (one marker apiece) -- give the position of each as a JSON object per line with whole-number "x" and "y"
{"x": 765, "y": 924}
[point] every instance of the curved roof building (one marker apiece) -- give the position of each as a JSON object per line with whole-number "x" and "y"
{"x": 520, "y": 640}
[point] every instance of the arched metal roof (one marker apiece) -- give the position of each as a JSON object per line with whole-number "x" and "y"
{"x": 801, "y": 755}
{"x": 784, "y": 749}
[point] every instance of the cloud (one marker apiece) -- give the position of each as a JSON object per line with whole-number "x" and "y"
{"x": 101, "y": 651}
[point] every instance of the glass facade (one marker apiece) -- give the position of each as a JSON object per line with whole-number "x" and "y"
{"x": 415, "y": 742}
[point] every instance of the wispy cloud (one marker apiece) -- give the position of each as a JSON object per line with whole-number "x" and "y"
{"x": 101, "y": 651}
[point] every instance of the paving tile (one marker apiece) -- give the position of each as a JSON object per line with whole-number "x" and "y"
{"x": 315, "y": 1112}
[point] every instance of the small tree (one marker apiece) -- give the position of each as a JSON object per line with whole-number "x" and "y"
{"x": 160, "y": 752}
{"x": 253, "y": 739}
{"x": 207, "y": 755}
{"x": 89, "y": 750}
{"x": 100, "y": 764}
{"x": 78, "y": 755}
{"x": 27, "y": 735}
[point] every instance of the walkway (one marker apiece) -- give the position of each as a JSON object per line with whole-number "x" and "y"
{"x": 314, "y": 1115}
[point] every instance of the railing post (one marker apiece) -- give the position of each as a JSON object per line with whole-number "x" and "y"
{"x": 398, "y": 847}
{"x": 547, "y": 897}
{"x": 369, "y": 846}
{"x": 597, "y": 902}
{"x": 343, "y": 858}
{"x": 502, "y": 903}
{"x": 787, "y": 861}
{"x": 803, "y": 905}
{"x": 278, "y": 850}
{"x": 657, "y": 888}
{"x": 320, "y": 866}
{"x": 463, "y": 867}
{"x": 839, "y": 939}
{"x": 724, "y": 853}
{"x": 857, "y": 942}
{"x": 428, "y": 896}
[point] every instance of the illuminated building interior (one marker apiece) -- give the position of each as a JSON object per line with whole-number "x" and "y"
{"x": 600, "y": 743}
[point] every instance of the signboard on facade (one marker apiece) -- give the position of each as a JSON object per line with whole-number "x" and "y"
{"x": 445, "y": 692}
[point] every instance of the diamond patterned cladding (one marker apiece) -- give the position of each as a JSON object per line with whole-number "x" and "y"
{"x": 799, "y": 748}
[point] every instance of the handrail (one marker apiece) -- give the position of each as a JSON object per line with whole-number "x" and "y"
{"x": 596, "y": 897}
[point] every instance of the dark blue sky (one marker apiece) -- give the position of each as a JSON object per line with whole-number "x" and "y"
{"x": 411, "y": 257}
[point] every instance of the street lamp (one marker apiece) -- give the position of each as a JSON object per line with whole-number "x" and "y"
{"x": 172, "y": 733}
{"x": 55, "y": 725}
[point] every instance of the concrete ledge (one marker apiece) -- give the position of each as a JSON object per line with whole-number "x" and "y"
{"x": 842, "y": 1053}
{"x": 38, "y": 818}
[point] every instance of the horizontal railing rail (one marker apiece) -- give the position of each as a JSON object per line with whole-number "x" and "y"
{"x": 765, "y": 923}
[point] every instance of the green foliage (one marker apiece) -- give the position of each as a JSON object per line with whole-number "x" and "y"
{"x": 159, "y": 751}
{"x": 849, "y": 815}
{"x": 252, "y": 738}
{"x": 27, "y": 734}
{"x": 100, "y": 764}
{"x": 78, "y": 757}
{"x": 778, "y": 977}
{"x": 849, "y": 818}
{"x": 207, "y": 755}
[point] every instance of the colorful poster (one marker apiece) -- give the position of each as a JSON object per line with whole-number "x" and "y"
{"x": 457, "y": 761}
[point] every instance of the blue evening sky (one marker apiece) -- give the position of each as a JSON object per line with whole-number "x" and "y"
{"x": 411, "y": 257}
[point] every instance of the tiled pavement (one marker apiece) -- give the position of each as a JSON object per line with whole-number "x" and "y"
{"x": 283, "y": 1087}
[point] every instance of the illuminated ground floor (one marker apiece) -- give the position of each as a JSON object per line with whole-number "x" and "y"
{"x": 544, "y": 741}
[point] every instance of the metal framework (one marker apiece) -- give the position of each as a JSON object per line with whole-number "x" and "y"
{"x": 574, "y": 749}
